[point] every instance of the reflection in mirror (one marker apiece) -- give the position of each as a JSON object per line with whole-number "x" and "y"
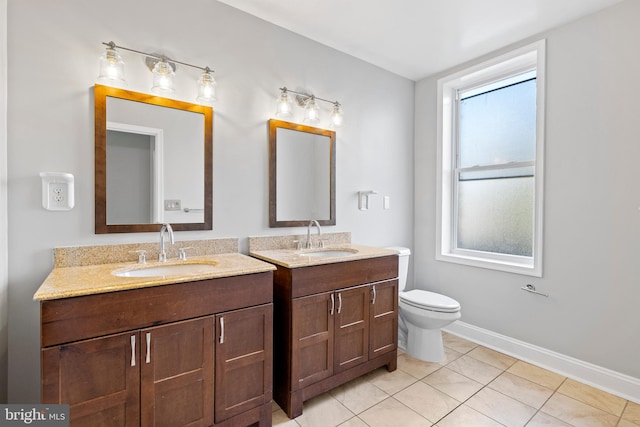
{"x": 301, "y": 175}
{"x": 153, "y": 162}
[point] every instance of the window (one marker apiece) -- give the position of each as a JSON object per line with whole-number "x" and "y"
{"x": 490, "y": 174}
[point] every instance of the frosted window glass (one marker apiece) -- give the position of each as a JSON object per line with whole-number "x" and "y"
{"x": 498, "y": 126}
{"x": 496, "y": 215}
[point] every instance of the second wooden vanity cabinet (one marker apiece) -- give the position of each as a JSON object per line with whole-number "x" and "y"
{"x": 196, "y": 354}
{"x": 332, "y": 323}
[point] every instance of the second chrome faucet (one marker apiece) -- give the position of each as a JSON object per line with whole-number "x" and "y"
{"x": 309, "y": 244}
{"x": 162, "y": 255}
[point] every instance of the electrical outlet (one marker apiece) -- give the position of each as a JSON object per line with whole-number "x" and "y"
{"x": 58, "y": 194}
{"x": 57, "y": 191}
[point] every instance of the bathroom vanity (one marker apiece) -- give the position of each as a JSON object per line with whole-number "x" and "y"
{"x": 163, "y": 351}
{"x": 335, "y": 319}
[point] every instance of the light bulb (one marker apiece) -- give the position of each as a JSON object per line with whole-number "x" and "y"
{"x": 206, "y": 88}
{"x": 311, "y": 111}
{"x": 285, "y": 106}
{"x": 162, "y": 78}
{"x": 111, "y": 67}
{"x": 337, "y": 116}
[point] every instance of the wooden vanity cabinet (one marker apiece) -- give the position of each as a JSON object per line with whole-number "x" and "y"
{"x": 190, "y": 354}
{"x": 333, "y": 323}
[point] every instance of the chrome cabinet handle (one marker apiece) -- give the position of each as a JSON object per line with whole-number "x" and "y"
{"x": 222, "y": 330}
{"x": 374, "y": 295}
{"x": 133, "y": 350}
{"x": 148, "y": 358}
{"x": 339, "y": 302}
{"x": 333, "y": 305}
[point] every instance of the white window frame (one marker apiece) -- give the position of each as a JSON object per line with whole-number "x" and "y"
{"x": 517, "y": 61}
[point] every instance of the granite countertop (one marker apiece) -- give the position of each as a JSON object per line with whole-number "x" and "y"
{"x": 292, "y": 258}
{"x": 65, "y": 282}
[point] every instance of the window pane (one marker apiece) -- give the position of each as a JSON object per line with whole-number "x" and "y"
{"x": 498, "y": 126}
{"x": 496, "y": 215}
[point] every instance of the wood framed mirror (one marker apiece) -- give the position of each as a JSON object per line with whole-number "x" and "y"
{"x": 153, "y": 163}
{"x": 302, "y": 175}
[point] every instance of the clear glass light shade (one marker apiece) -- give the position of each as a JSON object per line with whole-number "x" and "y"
{"x": 162, "y": 78}
{"x": 284, "y": 106}
{"x": 311, "y": 111}
{"x": 337, "y": 116}
{"x": 206, "y": 88}
{"x": 111, "y": 67}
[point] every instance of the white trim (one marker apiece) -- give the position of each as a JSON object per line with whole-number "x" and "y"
{"x": 519, "y": 60}
{"x": 622, "y": 385}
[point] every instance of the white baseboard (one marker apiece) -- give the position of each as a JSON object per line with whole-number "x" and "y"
{"x": 622, "y": 385}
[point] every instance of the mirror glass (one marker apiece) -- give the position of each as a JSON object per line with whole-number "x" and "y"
{"x": 153, "y": 162}
{"x": 301, "y": 175}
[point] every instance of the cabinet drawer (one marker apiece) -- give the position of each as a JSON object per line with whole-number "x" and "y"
{"x": 330, "y": 277}
{"x": 74, "y": 319}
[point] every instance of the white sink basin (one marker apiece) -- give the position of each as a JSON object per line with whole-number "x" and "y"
{"x": 329, "y": 253}
{"x": 168, "y": 270}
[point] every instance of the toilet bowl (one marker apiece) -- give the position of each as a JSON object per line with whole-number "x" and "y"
{"x": 422, "y": 315}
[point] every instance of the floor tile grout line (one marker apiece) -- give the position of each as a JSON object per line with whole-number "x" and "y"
{"x": 542, "y": 406}
{"x": 470, "y": 397}
{"x": 590, "y": 405}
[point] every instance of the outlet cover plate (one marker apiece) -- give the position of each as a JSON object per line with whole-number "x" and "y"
{"x": 57, "y": 191}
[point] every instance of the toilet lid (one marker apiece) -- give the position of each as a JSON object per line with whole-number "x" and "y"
{"x": 430, "y": 301}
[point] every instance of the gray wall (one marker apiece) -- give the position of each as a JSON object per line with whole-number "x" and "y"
{"x": 591, "y": 267}
{"x": 53, "y": 50}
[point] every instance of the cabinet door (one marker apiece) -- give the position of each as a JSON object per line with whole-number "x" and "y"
{"x": 177, "y": 374}
{"x": 244, "y": 356}
{"x": 312, "y": 323}
{"x": 352, "y": 327}
{"x": 383, "y": 325}
{"x": 98, "y": 378}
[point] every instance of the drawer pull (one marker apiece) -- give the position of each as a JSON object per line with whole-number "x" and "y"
{"x": 222, "y": 330}
{"x": 339, "y": 302}
{"x": 374, "y": 295}
{"x": 148, "y": 359}
{"x": 333, "y": 305}
{"x": 133, "y": 350}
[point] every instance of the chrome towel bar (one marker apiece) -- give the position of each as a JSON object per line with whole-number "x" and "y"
{"x": 532, "y": 289}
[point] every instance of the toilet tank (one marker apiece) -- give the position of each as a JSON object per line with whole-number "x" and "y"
{"x": 403, "y": 265}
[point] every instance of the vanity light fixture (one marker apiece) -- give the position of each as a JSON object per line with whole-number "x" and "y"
{"x": 284, "y": 107}
{"x": 163, "y": 75}
{"x": 163, "y": 68}
{"x": 311, "y": 111}
{"x": 111, "y": 67}
{"x": 309, "y": 102}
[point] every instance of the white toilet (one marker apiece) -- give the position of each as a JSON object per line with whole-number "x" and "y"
{"x": 422, "y": 314}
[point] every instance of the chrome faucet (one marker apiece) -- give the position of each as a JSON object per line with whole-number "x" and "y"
{"x": 162, "y": 256}
{"x": 312, "y": 222}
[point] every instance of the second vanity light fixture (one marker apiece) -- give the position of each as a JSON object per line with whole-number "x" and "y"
{"x": 311, "y": 110}
{"x": 163, "y": 68}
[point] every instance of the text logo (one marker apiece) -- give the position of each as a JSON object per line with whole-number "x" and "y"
{"x": 36, "y": 415}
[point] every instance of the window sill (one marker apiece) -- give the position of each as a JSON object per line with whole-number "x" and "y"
{"x": 523, "y": 265}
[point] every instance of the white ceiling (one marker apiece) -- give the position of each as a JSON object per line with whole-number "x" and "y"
{"x": 418, "y": 38}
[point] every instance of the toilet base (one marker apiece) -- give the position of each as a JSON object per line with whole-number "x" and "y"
{"x": 425, "y": 344}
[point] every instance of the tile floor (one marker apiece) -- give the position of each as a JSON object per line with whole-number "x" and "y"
{"x": 473, "y": 387}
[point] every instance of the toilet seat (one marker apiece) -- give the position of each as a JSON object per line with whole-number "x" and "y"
{"x": 430, "y": 301}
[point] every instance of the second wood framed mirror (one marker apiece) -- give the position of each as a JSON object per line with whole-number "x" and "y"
{"x": 302, "y": 175}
